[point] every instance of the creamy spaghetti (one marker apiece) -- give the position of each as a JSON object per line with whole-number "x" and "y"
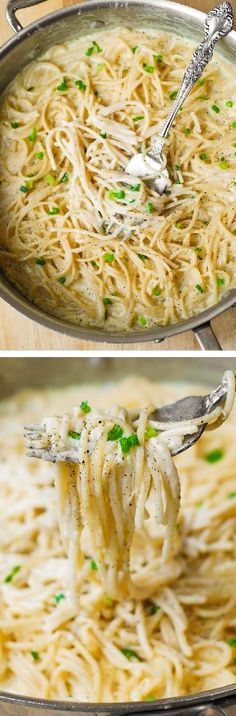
{"x": 182, "y": 637}
{"x": 111, "y": 476}
{"x": 79, "y": 237}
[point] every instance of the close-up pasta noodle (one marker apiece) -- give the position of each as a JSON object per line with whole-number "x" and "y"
{"x": 80, "y": 238}
{"x": 167, "y": 627}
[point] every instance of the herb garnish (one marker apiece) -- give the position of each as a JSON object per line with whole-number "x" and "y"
{"x": 23, "y": 189}
{"x": 215, "y": 108}
{"x": 39, "y": 155}
{"x": 61, "y": 279}
{"x": 199, "y": 288}
{"x": 115, "y": 433}
{"x": 116, "y": 194}
{"x": 40, "y": 262}
{"x": 59, "y": 597}
{"x": 63, "y": 86}
{"x": 214, "y": 455}
{"x": 85, "y": 407}
{"x": 149, "y": 207}
{"x": 65, "y": 178}
{"x": 138, "y": 118}
{"x": 107, "y": 301}
{"x": 148, "y": 68}
{"x": 35, "y": 655}
{"x": 95, "y": 48}
{"x": 142, "y": 321}
{"x": 33, "y": 135}
{"x": 173, "y": 95}
{"x": 80, "y": 84}
{"x": 54, "y": 211}
{"x": 14, "y": 125}
{"x": 130, "y": 654}
{"x": 73, "y": 434}
{"x": 14, "y": 571}
{"x": 108, "y": 258}
{"x": 150, "y": 432}
{"x": 93, "y": 565}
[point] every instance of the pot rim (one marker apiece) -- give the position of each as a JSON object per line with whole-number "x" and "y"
{"x": 7, "y": 290}
{"x": 201, "y": 697}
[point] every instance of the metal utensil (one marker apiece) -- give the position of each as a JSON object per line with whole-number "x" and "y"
{"x": 151, "y": 166}
{"x": 37, "y": 442}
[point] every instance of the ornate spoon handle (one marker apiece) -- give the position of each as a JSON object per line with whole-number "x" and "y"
{"x": 218, "y": 23}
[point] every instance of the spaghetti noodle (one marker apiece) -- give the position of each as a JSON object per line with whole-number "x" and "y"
{"x": 64, "y": 194}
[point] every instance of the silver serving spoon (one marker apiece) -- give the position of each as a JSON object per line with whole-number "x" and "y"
{"x": 151, "y": 166}
{"x": 183, "y": 410}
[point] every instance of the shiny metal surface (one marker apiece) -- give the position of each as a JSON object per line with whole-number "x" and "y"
{"x": 19, "y": 373}
{"x": 77, "y": 21}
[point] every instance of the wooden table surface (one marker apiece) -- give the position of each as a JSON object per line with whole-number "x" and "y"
{"x": 19, "y": 333}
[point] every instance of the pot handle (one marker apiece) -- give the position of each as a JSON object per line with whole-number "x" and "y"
{"x": 207, "y": 339}
{"x": 13, "y": 6}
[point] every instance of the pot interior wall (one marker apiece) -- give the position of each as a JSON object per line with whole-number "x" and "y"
{"x": 81, "y": 20}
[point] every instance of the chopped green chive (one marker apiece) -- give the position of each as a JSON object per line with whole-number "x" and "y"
{"x": 202, "y": 97}
{"x": 223, "y": 164}
{"x": 63, "y": 86}
{"x": 94, "y": 264}
{"x": 142, "y": 321}
{"x": 40, "y": 262}
{"x": 85, "y": 407}
{"x": 142, "y": 257}
{"x": 33, "y": 135}
{"x": 108, "y": 600}
{"x": 73, "y": 434}
{"x": 231, "y": 495}
{"x": 138, "y": 118}
{"x": 130, "y": 654}
{"x": 129, "y": 442}
{"x": 201, "y": 82}
{"x": 220, "y": 281}
{"x": 150, "y": 432}
{"x": 39, "y": 155}
{"x": 215, "y": 108}
{"x": 199, "y": 288}
{"x": 205, "y": 222}
{"x": 150, "y": 698}
{"x": 108, "y": 258}
{"x": 134, "y": 49}
{"x": 187, "y": 131}
{"x": 157, "y": 292}
{"x": 177, "y": 167}
{"x": 80, "y": 84}
{"x": 234, "y": 125}
{"x": 116, "y": 194}
{"x": 203, "y": 156}
{"x": 149, "y": 207}
{"x": 197, "y": 249}
{"x": 107, "y": 301}
{"x": 14, "y": 125}
{"x": 50, "y": 179}
{"x": 65, "y": 178}
{"x": 179, "y": 225}
{"x": 134, "y": 187}
{"x": 234, "y": 661}
{"x": 61, "y": 279}
{"x": 115, "y": 433}
{"x": 11, "y": 575}
{"x": 35, "y": 655}
{"x": 59, "y": 597}
{"x": 154, "y": 608}
{"x": 104, "y": 135}
{"x": 30, "y": 89}
{"x": 93, "y": 565}
{"x": 173, "y": 95}
{"x": 214, "y": 455}
{"x": 100, "y": 67}
{"x": 54, "y": 211}
{"x": 95, "y": 48}
{"x": 231, "y": 642}
{"x": 229, "y": 103}
{"x": 148, "y": 68}
{"x": 158, "y": 59}
{"x": 23, "y": 189}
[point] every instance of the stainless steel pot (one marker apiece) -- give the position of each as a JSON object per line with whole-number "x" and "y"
{"x": 62, "y": 26}
{"x": 18, "y": 373}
